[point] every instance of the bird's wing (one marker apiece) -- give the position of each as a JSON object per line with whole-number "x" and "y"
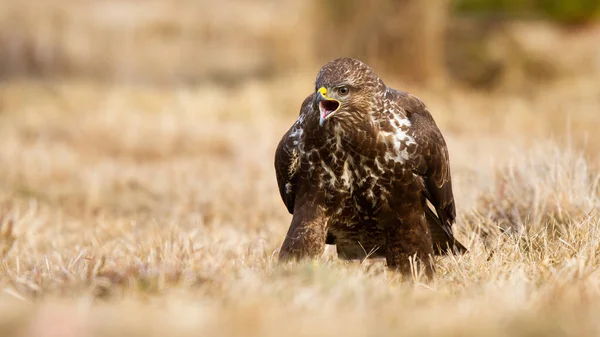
{"x": 287, "y": 157}
{"x": 433, "y": 165}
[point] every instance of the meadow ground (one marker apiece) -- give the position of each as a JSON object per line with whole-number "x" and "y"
{"x": 144, "y": 211}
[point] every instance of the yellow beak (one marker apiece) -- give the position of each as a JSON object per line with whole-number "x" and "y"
{"x": 327, "y": 105}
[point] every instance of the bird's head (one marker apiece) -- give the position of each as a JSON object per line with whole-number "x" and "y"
{"x": 346, "y": 87}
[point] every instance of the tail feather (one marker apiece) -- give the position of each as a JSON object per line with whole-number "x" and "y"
{"x": 443, "y": 241}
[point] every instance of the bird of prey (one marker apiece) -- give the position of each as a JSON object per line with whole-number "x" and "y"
{"x": 358, "y": 169}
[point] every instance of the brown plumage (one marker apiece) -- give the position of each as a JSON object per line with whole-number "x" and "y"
{"x": 357, "y": 169}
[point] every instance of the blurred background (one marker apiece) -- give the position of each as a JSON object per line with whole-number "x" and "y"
{"x": 91, "y": 84}
{"x": 477, "y": 44}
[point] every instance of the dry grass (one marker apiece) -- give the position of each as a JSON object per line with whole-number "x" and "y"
{"x": 138, "y": 211}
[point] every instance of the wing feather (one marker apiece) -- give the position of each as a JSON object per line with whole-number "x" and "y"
{"x": 433, "y": 164}
{"x": 288, "y": 157}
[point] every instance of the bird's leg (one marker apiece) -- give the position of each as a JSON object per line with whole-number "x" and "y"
{"x": 306, "y": 236}
{"x": 408, "y": 237}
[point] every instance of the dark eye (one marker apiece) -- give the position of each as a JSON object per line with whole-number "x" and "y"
{"x": 343, "y": 90}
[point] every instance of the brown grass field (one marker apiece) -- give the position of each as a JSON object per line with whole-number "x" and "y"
{"x": 139, "y": 211}
{"x": 129, "y": 209}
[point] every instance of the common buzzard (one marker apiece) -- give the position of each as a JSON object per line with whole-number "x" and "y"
{"x": 358, "y": 168}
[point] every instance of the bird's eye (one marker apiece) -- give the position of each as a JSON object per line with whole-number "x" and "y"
{"x": 343, "y": 90}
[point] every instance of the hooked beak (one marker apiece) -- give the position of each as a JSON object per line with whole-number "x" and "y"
{"x": 327, "y": 105}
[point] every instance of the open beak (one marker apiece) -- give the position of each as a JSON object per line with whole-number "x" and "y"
{"x": 327, "y": 106}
